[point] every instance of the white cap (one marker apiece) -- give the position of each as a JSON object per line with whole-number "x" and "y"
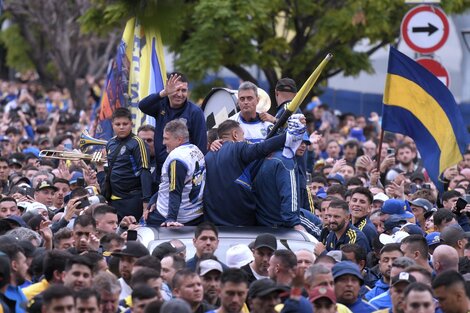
{"x": 238, "y": 256}
{"x": 33, "y": 207}
{"x": 395, "y": 238}
{"x": 381, "y": 197}
{"x": 206, "y": 266}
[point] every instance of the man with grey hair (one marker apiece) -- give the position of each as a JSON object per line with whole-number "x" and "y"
{"x": 178, "y": 201}
{"x": 109, "y": 288}
{"x": 254, "y": 128}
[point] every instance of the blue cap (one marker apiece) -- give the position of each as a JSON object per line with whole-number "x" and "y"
{"x": 321, "y": 193}
{"x": 33, "y": 150}
{"x": 306, "y": 139}
{"x": 396, "y": 207}
{"x": 315, "y": 102}
{"x": 337, "y": 177}
{"x": 413, "y": 229}
{"x": 433, "y": 238}
{"x": 357, "y": 133}
{"x": 75, "y": 175}
{"x": 347, "y": 268}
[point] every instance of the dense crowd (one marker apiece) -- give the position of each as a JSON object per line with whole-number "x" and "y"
{"x": 389, "y": 239}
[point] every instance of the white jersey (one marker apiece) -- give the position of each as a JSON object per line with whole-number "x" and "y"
{"x": 191, "y": 197}
{"x": 255, "y": 131}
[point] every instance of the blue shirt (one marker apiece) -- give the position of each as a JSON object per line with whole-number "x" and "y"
{"x": 382, "y": 301}
{"x": 361, "y": 306}
{"x": 380, "y": 287}
{"x": 350, "y": 236}
{"x": 16, "y": 294}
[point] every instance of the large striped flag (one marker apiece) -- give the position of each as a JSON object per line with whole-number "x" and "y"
{"x": 137, "y": 71}
{"x": 417, "y": 104}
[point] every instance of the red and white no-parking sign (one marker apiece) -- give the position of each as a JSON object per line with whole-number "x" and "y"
{"x": 425, "y": 28}
{"x": 437, "y": 69}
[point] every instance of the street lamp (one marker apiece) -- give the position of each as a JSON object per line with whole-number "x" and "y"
{"x": 466, "y": 38}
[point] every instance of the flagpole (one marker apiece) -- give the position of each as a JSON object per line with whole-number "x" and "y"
{"x": 380, "y": 148}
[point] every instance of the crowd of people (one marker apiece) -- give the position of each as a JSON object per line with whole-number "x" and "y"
{"x": 389, "y": 239}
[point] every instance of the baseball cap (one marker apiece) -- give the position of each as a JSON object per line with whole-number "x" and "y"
{"x": 395, "y": 238}
{"x": 347, "y": 268}
{"x": 238, "y": 256}
{"x": 206, "y": 266}
{"x": 381, "y": 197}
{"x": 357, "y": 133}
{"x": 132, "y": 248}
{"x": 413, "y": 229}
{"x": 433, "y": 238}
{"x": 452, "y": 233}
{"x": 166, "y": 248}
{"x": 263, "y": 287}
{"x": 16, "y": 220}
{"x": 338, "y": 255}
{"x": 44, "y": 184}
{"x": 336, "y": 177}
{"x": 75, "y": 176}
{"x": 417, "y": 176}
{"x": 396, "y": 207}
{"x": 286, "y": 84}
{"x": 15, "y": 161}
{"x": 31, "y": 150}
{"x": 394, "y": 221}
{"x": 403, "y": 277}
{"x": 265, "y": 240}
{"x": 16, "y": 180}
{"x": 322, "y": 292}
{"x": 422, "y": 203}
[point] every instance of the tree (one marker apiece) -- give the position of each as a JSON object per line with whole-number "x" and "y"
{"x": 280, "y": 37}
{"x": 50, "y": 39}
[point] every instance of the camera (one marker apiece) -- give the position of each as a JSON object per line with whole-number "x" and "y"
{"x": 87, "y": 201}
{"x": 391, "y": 151}
{"x": 461, "y": 204}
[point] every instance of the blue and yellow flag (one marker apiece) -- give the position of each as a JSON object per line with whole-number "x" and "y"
{"x": 137, "y": 71}
{"x": 417, "y": 104}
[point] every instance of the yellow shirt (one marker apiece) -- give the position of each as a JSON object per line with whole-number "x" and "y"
{"x": 32, "y": 290}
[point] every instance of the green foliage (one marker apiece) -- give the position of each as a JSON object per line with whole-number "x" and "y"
{"x": 282, "y": 38}
{"x": 17, "y": 49}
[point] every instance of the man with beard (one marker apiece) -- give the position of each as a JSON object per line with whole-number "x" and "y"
{"x": 78, "y": 273}
{"x": 210, "y": 272}
{"x": 18, "y": 273}
{"x": 388, "y": 254}
{"x": 341, "y": 231}
{"x": 348, "y": 281}
{"x": 188, "y": 287}
{"x": 84, "y": 233}
{"x": 360, "y": 206}
{"x": 263, "y": 248}
{"x": 404, "y": 155}
{"x": 127, "y": 258}
{"x": 234, "y": 289}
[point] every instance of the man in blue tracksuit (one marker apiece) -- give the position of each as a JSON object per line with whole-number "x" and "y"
{"x": 228, "y": 197}
{"x": 277, "y": 189}
{"x": 169, "y": 104}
